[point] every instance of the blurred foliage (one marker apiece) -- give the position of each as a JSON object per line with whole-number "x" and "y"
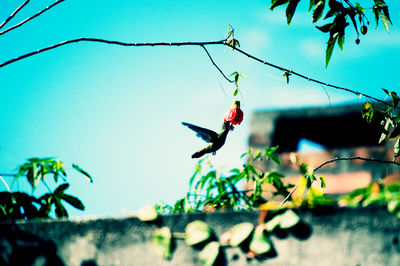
{"x": 342, "y": 14}
{"x": 390, "y": 124}
{"x": 20, "y": 205}
{"x": 375, "y": 194}
{"x": 210, "y": 189}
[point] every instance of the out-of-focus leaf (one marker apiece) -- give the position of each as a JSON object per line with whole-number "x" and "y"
{"x": 288, "y": 219}
{"x": 260, "y": 243}
{"x": 147, "y": 214}
{"x": 77, "y": 168}
{"x": 240, "y": 232}
{"x": 323, "y": 182}
{"x": 236, "y": 91}
{"x": 162, "y": 239}
{"x": 209, "y": 254}
{"x": 60, "y": 209}
{"x": 197, "y": 232}
{"x": 75, "y": 202}
{"x": 393, "y": 205}
{"x": 273, "y": 223}
{"x": 61, "y": 189}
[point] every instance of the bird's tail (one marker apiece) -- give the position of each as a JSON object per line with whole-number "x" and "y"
{"x": 199, "y": 153}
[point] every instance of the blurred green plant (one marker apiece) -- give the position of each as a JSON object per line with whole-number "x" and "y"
{"x": 375, "y": 194}
{"x": 390, "y": 122}
{"x": 20, "y": 205}
{"x": 210, "y": 189}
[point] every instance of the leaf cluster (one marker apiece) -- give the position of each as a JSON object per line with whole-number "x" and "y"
{"x": 375, "y": 194}
{"x": 390, "y": 123}
{"x": 341, "y": 15}
{"x": 20, "y": 205}
{"x": 254, "y": 240}
{"x": 211, "y": 190}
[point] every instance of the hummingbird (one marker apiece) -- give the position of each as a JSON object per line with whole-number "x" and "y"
{"x": 215, "y": 140}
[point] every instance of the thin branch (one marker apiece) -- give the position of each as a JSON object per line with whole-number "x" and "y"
{"x": 13, "y": 14}
{"x": 216, "y": 66}
{"x": 288, "y": 196}
{"x": 32, "y": 17}
{"x": 305, "y": 77}
{"x": 108, "y": 42}
{"x": 222, "y": 42}
{"x": 5, "y": 183}
{"x": 355, "y": 158}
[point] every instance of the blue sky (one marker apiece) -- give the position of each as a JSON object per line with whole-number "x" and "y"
{"x": 116, "y": 111}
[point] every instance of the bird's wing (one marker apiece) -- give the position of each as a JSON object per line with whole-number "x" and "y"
{"x": 203, "y": 133}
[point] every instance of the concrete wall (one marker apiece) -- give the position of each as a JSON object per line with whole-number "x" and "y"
{"x": 344, "y": 237}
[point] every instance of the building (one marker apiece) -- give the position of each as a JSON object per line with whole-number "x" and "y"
{"x": 317, "y": 135}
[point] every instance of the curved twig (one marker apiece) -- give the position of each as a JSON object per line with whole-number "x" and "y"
{"x": 13, "y": 14}
{"x": 340, "y": 159}
{"x": 32, "y": 17}
{"x": 216, "y": 66}
{"x": 354, "y": 158}
{"x": 5, "y": 183}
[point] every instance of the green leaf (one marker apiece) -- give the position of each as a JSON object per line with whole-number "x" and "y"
{"x": 309, "y": 179}
{"x": 318, "y": 10}
{"x": 75, "y": 202}
{"x": 61, "y": 189}
{"x": 341, "y": 41}
{"x": 33, "y": 175}
{"x": 197, "y": 232}
{"x": 162, "y": 239}
{"x": 147, "y": 214}
{"x": 376, "y": 14}
{"x": 291, "y": 8}
{"x": 275, "y": 3}
{"x": 80, "y": 170}
{"x": 288, "y": 219}
{"x": 312, "y": 3}
{"x": 276, "y": 159}
{"x": 209, "y": 254}
{"x": 329, "y": 48}
{"x": 385, "y": 129}
{"x": 240, "y": 233}
{"x": 286, "y": 74}
{"x": 236, "y": 91}
{"x": 381, "y": 9}
{"x": 326, "y": 28}
{"x": 374, "y": 199}
{"x": 323, "y": 182}
{"x": 393, "y": 205}
{"x": 60, "y": 209}
{"x": 260, "y": 243}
